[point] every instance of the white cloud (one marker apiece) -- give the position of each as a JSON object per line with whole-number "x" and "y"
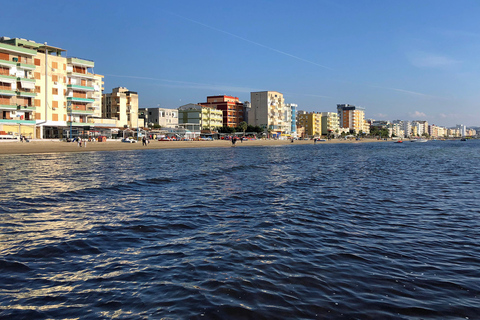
{"x": 422, "y": 59}
{"x": 381, "y": 115}
{"x": 417, "y": 114}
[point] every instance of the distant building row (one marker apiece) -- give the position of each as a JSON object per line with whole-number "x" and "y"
{"x": 267, "y": 110}
{"x": 405, "y": 129}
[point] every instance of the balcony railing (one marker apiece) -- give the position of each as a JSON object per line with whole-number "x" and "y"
{"x": 81, "y": 88}
{"x": 8, "y": 92}
{"x": 26, "y": 66}
{"x": 26, "y": 94}
{"x": 17, "y": 121}
{"x": 85, "y": 100}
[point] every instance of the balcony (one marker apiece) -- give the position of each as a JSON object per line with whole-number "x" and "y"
{"x": 81, "y": 75}
{"x": 15, "y": 49}
{"x": 8, "y": 64}
{"x": 79, "y": 88}
{"x": 7, "y": 93}
{"x": 8, "y": 121}
{"x": 25, "y": 108}
{"x": 26, "y": 66}
{"x": 80, "y": 124}
{"x": 84, "y": 100}
{"x": 26, "y": 79}
{"x": 81, "y": 62}
{"x": 7, "y": 78}
{"x": 26, "y": 94}
{"x": 81, "y": 112}
{"x": 8, "y": 107}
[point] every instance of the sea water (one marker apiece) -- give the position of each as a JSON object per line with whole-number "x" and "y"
{"x": 354, "y": 231}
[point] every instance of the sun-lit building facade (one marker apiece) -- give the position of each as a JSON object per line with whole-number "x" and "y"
{"x": 232, "y": 108}
{"x": 330, "y": 123}
{"x": 269, "y": 111}
{"x": 55, "y": 92}
{"x": 199, "y": 117}
{"x": 352, "y": 117}
{"x": 311, "y": 121}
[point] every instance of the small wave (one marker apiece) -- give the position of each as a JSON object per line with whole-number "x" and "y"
{"x": 13, "y": 266}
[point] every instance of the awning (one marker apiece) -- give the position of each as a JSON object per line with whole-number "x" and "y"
{"x": 8, "y": 80}
{"x": 27, "y": 85}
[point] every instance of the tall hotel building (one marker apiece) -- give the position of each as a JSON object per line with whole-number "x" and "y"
{"x": 311, "y": 121}
{"x": 269, "y": 111}
{"x": 232, "y": 108}
{"x": 122, "y": 106}
{"x": 352, "y": 117}
{"x": 329, "y": 123}
{"x": 43, "y": 93}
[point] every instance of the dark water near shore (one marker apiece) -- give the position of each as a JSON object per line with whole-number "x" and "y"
{"x": 347, "y": 231}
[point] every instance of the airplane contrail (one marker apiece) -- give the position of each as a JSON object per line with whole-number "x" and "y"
{"x": 250, "y": 41}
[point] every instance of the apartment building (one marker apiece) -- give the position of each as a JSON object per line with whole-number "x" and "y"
{"x": 50, "y": 91}
{"x": 419, "y": 128}
{"x": 17, "y": 90}
{"x": 269, "y": 111}
{"x": 437, "y": 131}
{"x": 165, "y": 118}
{"x": 311, "y": 121}
{"x": 330, "y": 123}
{"x": 293, "y": 110}
{"x": 121, "y": 105}
{"x": 198, "y": 117}
{"x": 352, "y": 117}
{"x": 232, "y": 108}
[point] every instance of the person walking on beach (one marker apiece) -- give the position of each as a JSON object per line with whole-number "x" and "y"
{"x": 234, "y": 140}
{"x": 144, "y": 141}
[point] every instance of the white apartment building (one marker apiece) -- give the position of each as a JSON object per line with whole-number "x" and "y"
{"x": 269, "y": 111}
{"x": 196, "y": 117}
{"x": 330, "y": 123}
{"x": 165, "y": 118}
{"x": 55, "y": 92}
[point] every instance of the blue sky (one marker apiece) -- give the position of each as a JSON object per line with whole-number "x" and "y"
{"x": 399, "y": 59}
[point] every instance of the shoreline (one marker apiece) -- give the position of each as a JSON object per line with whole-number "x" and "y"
{"x": 56, "y": 146}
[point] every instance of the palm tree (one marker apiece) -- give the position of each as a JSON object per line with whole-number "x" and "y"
{"x": 243, "y": 126}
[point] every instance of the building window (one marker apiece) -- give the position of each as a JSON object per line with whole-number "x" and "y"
{"x": 37, "y": 75}
{"x": 37, "y": 89}
{"x": 55, "y": 91}
{"x": 36, "y": 62}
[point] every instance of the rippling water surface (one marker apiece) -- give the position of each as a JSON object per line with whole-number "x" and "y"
{"x": 350, "y": 231}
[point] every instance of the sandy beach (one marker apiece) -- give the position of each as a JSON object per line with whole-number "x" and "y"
{"x": 54, "y": 146}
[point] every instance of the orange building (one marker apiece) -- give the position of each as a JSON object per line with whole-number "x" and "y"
{"x": 233, "y": 109}
{"x": 352, "y": 117}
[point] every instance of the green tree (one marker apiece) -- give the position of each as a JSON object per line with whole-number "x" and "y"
{"x": 226, "y": 129}
{"x": 242, "y": 126}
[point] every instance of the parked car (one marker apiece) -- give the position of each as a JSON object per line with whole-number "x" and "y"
{"x": 129, "y": 140}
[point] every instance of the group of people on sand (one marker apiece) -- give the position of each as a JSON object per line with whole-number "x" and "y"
{"x": 234, "y": 140}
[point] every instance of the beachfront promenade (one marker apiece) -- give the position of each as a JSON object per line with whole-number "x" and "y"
{"x": 50, "y": 146}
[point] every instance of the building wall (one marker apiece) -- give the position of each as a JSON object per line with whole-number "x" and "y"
{"x": 122, "y": 105}
{"x": 207, "y": 118}
{"x": 64, "y": 91}
{"x": 311, "y": 122}
{"x": 268, "y": 110}
{"x": 17, "y": 90}
{"x": 166, "y": 118}
{"x": 232, "y": 109}
{"x": 329, "y": 123}
{"x": 352, "y": 117}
